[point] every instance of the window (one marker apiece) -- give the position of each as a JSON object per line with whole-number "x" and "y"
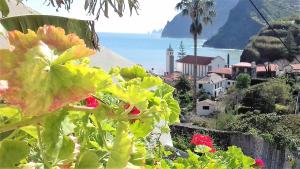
{"x": 200, "y": 86}
{"x": 209, "y": 68}
{"x": 228, "y": 83}
{"x": 215, "y": 86}
{"x": 205, "y": 107}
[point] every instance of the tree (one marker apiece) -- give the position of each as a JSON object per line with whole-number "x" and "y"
{"x": 291, "y": 44}
{"x": 181, "y": 52}
{"x": 243, "y": 81}
{"x": 91, "y": 7}
{"x": 199, "y": 11}
{"x": 183, "y": 85}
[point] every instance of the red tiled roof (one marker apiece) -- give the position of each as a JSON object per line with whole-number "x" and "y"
{"x": 242, "y": 64}
{"x": 296, "y": 66}
{"x": 262, "y": 68}
{"x": 201, "y": 60}
{"x": 223, "y": 70}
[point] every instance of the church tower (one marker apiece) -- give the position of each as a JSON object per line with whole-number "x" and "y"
{"x": 170, "y": 60}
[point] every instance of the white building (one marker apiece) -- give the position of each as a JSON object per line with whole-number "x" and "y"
{"x": 213, "y": 84}
{"x": 204, "y": 64}
{"x": 206, "y": 107}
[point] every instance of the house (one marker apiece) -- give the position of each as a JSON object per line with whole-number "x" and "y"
{"x": 213, "y": 84}
{"x": 206, "y": 107}
{"x": 225, "y": 72}
{"x": 204, "y": 64}
{"x": 255, "y": 71}
{"x": 268, "y": 70}
{"x": 242, "y": 67}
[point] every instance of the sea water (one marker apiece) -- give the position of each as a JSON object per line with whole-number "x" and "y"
{"x": 149, "y": 50}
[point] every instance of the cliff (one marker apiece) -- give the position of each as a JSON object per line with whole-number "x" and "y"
{"x": 244, "y": 22}
{"x": 266, "y": 47}
{"x": 179, "y": 26}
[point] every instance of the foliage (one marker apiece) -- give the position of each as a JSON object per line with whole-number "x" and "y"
{"x": 90, "y": 6}
{"x": 282, "y": 130}
{"x": 181, "y": 52}
{"x": 243, "y": 81}
{"x": 265, "y": 96}
{"x": 60, "y": 113}
{"x": 204, "y": 157}
{"x": 266, "y": 47}
{"x": 202, "y": 95}
{"x": 183, "y": 85}
{"x": 81, "y": 28}
{"x": 45, "y": 115}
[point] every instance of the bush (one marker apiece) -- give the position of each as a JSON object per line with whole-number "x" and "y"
{"x": 243, "y": 81}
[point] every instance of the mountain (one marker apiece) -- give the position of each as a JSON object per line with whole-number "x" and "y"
{"x": 244, "y": 22}
{"x": 266, "y": 47}
{"x": 179, "y": 26}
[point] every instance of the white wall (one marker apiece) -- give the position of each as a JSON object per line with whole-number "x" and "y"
{"x": 218, "y": 62}
{"x": 179, "y": 67}
{"x": 202, "y": 112}
{"x": 211, "y": 88}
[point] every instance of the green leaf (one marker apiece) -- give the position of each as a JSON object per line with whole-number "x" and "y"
{"x": 138, "y": 156}
{"x": 52, "y": 136}
{"x": 22, "y": 23}
{"x": 9, "y": 112}
{"x": 31, "y": 130}
{"x": 11, "y": 152}
{"x": 67, "y": 149}
{"x": 4, "y": 8}
{"x": 141, "y": 129}
{"x": 121, "y": 150}
{"x": 133, "y": 72}
{"x": 149, "y": 82}
{"x": 39, "y": 84}
{"x": 88, "y": 160}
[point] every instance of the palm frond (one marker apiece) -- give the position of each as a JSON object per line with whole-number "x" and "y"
{"x": 84, "y": 29}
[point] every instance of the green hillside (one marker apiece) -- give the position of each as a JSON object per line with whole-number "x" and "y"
{"x": 244, "y": 22}
{"x": 267, "y": 47}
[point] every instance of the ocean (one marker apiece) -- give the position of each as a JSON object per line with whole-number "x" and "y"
{"x": 149, "y": 50}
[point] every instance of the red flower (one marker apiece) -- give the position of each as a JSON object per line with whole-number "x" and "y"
{"x": 260, "y": 163}
{"x": 91, "y": 102}
{"x": 199, "y": 139}
{"x": 134, "y": 111}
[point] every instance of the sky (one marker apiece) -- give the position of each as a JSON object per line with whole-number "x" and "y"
{"x": 153, "y": 15}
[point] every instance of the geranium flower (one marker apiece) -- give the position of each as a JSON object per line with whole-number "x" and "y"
{"x": 199, "y": 139}
{"x": 260, "y": 163}
{"x": 91, "y": 102}
{"x": 134, "y": 111}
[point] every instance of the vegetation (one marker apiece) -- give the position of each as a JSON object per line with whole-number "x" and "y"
{"x": 267, "y": 110}
{"x": 199, "y": 11}
{"x": 243, "y": 81}
{"x": 266, "y": 47}
{"x": 234, "y": 34}
{"x": 181, "y": 52}
{"x": 91, "y": 7}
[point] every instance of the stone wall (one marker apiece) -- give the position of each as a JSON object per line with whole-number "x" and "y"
{"x": 252, "y": 146}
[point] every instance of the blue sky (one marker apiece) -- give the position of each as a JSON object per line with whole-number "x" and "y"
{"x": 153, "y": 14}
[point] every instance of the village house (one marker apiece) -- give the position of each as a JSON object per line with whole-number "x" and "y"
{"x": 204, "y": 64}
{"x": 206, "y": 107}
{"x": 255, "y": 71}
{"x": 213, "y": 84}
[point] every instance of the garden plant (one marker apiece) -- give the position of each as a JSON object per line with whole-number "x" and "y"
{"x": 58, "y": 112}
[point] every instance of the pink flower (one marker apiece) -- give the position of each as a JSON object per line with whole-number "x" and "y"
{"x": 260, "y": 163}
{"x": 91, "y": 102}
